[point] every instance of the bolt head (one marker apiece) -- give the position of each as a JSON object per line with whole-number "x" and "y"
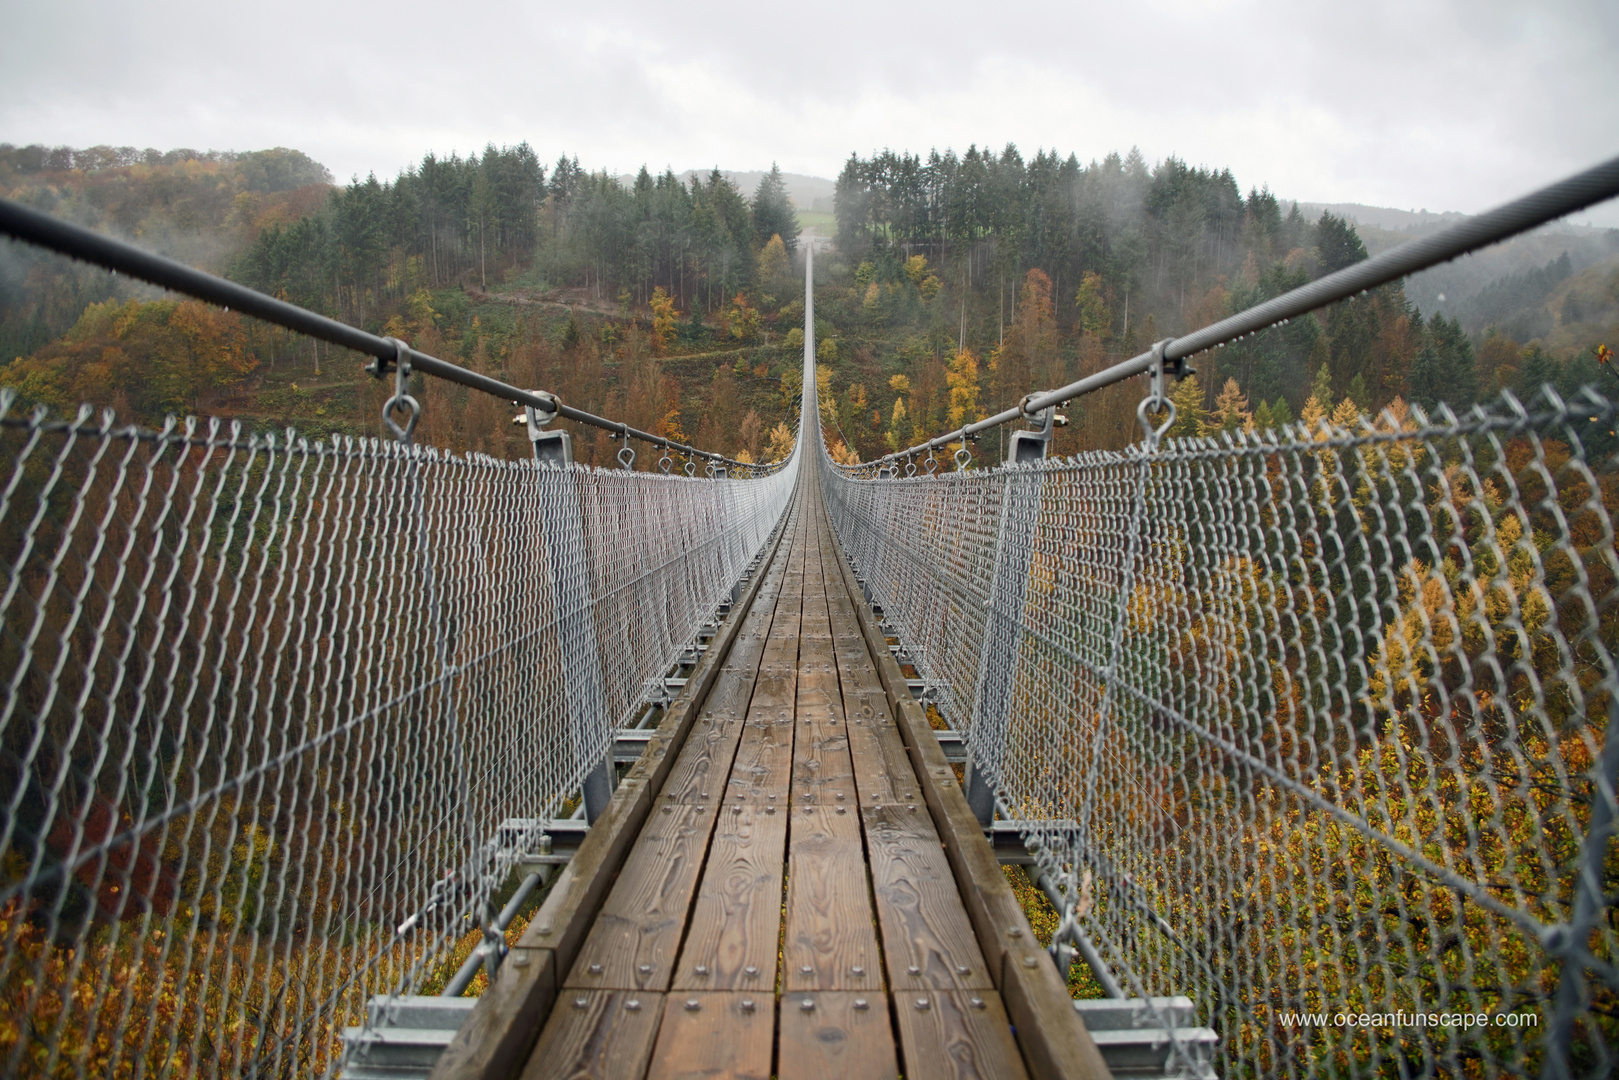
{"x": 922, "y": 1004}
{"x": 747, "y": 1005}
{"x": 702, "y": 969}
{"x": 580, "y": 1002}
{"x": 808, "y": 1004}
{"x": 1029, "y": 961}
{"x": 645, "y": 969}
{"x": 977, "y": 1003}
{"x": 750, "y": 971}
{"x": 595, "y": 969}
{"x": 858, "y": 970}
{"x": 806, "y": 970}
{"x": 963, "y": 969}
{"x": 860, "y": 1003}
{"x": 914, "y": 970}
{"x": 634, "y": 1004}
{"x": 692, "y": 1005}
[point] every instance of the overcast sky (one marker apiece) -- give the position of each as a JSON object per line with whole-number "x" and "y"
{"x": 1436, "y": 104}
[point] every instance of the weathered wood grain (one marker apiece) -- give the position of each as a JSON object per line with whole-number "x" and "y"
{"x": 956, "y": 1034}
{"x": 840, "y": 1036}
{"x": 928, "y": 940}
{"x": 597, "y": 1035}
{"x": 736, "y": 922}
{"x": 710, "y": 1035}
{"x": 633, "y": 942}
{"x": 831, "y": 939}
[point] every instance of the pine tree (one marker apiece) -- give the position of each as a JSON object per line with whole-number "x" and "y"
{"x": 1321, "y": 388}
{"x": 1280, "y": 414}
{"x": 773, "y": 211}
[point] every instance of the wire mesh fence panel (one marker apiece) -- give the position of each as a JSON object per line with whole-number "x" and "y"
{"x": 268, "y": 703}
{"x": 1310, "y": 726}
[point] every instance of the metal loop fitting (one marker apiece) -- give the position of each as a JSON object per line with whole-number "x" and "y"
{"x": 1156, "y": 400}
{"x": 910, "y": 467}
{"x": 626, "y": 453}
{"x": 690, "y": 467}
{"x": 400, "y": 400}
{"x": 665, "y": 463}
{"x": 964, "y": 457}
{"x": 932, "y": 463}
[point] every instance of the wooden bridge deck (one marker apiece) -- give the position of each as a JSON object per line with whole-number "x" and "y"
{"x": 771, "y": 893}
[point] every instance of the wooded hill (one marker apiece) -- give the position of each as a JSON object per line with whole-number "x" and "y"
{"x": 958, "y": 283}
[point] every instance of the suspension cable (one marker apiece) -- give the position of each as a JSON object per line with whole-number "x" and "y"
{"x": 1594, "y": 185}
{"x": 75, "y": 241}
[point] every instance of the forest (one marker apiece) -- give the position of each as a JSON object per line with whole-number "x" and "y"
{"x": 956, "y": 283}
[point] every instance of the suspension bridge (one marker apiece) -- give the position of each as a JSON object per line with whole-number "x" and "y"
{"x": 1303, "y": 734}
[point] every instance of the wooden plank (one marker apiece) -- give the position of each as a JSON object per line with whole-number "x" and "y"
{"x": 961, "y": 1034}
{"x": 597, "y": 1035}
{"x": 840, "y": 1036}
{"x": 633, "y": 941}
{"x": 823, "y": 772}
{"x": 736, "y": 923}
{"x": 831, "y": 940}
{"x": 703, "y": 764}
{"x": 762, "y": 770}
{"x": 496, "y": 1038}
{"x": 928, "y": 940}
{"x": 710, "y": 1035}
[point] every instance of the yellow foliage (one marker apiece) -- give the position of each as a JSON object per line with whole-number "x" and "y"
{"x": 665, "y": 320}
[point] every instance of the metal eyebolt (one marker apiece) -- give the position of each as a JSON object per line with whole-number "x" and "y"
{"x": 626, "y": 454}
{"x": 401, "y": 399}
{"x": 964, "y": 457}
{"x": 665, "y": 463}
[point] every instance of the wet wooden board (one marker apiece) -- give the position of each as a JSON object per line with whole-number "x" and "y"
{"x": 831, "y": 940}
{"x": 597, "y": 1035}
{"x": 633, "y": 941}
{"x": 956, "y": 1035}
{"x": 928, "y": 940}
{"x": 762, "y": 768}
{"x": 840, "y": 1036}
{"x": 736, "y": 923}
{"x": 711, "y": 1035}
{"x": 704, "y": 762}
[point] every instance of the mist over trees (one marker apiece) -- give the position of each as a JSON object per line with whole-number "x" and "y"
{"x": 1035, "y": 272}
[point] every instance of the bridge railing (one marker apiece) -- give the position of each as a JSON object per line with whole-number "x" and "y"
{"x": 1309, "y": 722}
{"x": 283, "y": 717}
{"x": 1314, "y": 725}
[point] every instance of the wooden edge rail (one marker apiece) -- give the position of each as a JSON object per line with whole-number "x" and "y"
{"x": 1049, "y": 1031}
{"x": 500, "y": 1032}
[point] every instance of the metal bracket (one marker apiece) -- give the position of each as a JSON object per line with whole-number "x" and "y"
{"x": 550, "y": 447}
{"x": 1028, "y": 447}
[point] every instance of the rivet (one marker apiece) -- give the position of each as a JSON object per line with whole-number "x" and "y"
{"x": 634, "y": 1004}
{"x": 1029, "y": 961}
{"x": 580, "y": 1002}
{"x": 595, "y": 969}
{"x": 914, "y": 970}
{"x": 860, "y": 1003}
{"x": 520, "y": 961}
{"x": 702, "y": 969}
{"x": 858, "y": 970}
{"x": 962, "y": 969}
{"x": 772, "y": 798}
{"x": 839, "y": 795}
{"x": 977, "y": 1003}
{"x": 670, "y": 795}
{"x": 770, "y": 809}
{"x": 747, "y": 1004}
{"x": 921, "y": 1003}
{"x": 646, "y": 969}
{"x": 807, "y": 1004}
{"x": 912, "y": 808}
{"x": 750, "y": 971}
{"x": 806, "y": 970}
{"x": 667, "y": 810}
{"x": 1016, "y": 931}
{"x": 843, "y": 810}
{"x": 692, "y": 1005}
{"x": 704, "y": 795}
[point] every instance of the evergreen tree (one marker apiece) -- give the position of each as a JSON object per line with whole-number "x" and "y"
{"x": 773, "y": 213}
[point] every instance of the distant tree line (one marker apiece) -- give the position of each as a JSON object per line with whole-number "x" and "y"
{"x": 485, "y": 217}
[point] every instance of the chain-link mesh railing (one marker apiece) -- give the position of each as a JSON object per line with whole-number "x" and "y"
{"x": 268, "y": 703}
{"x": 1311, "y": 726}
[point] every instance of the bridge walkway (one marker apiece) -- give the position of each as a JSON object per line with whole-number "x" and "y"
{"x": 786, "y": 908}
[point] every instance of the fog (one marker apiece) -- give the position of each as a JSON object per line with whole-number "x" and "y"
{"x": 1418, "y": 105}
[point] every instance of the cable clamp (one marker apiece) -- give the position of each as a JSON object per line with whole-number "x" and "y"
{"x": 401, "y": 400}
